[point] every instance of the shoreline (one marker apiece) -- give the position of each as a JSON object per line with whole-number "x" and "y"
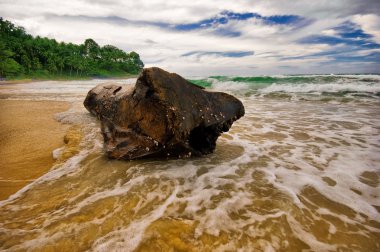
{"x": 28, "y": 135}
{"x": 32, "y": 80}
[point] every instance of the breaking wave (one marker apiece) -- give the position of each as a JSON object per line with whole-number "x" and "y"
{"x": 340, "y": 85}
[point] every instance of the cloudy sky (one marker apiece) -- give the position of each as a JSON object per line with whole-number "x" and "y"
{"x": 219, "y": 37}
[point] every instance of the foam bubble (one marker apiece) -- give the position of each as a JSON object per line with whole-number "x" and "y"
{"x": 228, "y": 86}
{"x": 320, "y": 88}
{"x": 132, "y": 236}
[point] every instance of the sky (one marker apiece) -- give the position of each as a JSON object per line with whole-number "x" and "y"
{"x": 218, "y": 37}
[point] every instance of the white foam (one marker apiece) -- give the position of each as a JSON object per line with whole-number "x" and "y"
{"x": 57, "y": 153}
{"x": 308, "y": 238}
{"x": 228, "y": 85}
{"x": 57, "y": 90}
{"x": 69, "y": 167}
{"x": 128, "y": 239}
{"x": 322, "y": 87}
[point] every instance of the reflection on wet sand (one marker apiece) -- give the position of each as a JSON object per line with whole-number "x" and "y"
{"x": 28, "y": 135}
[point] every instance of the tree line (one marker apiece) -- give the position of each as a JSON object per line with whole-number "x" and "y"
{"x": 21, "y": 54}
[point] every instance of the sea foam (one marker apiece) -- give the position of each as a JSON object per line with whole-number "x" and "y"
{"x": 290, "y": 175}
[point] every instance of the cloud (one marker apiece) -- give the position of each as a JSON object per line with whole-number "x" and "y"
{"x": 229, "y": 54}
{"x": 348, "y": 41}
{"x": 217, "y": 25}
{"x": 370, "y": 24}
{"x": 200, "y": 37}
{"x": 227, "y": 16}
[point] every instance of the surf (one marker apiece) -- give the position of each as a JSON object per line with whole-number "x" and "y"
{"x": 297, "y": 172}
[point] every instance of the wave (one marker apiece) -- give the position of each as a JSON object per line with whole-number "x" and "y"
{"x": 298, "y": 78}
{"x": 323, "y": 88}
{"x": 339, "y": 85}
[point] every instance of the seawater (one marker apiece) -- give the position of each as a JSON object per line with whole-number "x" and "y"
{"x": 300, "y": 171}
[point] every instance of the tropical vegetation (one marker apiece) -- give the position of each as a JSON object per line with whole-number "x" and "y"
{"x": 25, "y": 56}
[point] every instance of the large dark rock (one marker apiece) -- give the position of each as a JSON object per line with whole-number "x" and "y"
{"x": 163, "y": 115}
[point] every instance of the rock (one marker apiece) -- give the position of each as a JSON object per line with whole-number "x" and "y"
{"x": 163, "y": 115}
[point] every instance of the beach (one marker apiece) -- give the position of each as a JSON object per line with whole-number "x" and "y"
{"x": 300, "y": 171}
{"x": 28, "y": 136}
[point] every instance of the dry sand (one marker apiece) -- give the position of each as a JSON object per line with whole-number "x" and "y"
{"x": 28, "y": 135}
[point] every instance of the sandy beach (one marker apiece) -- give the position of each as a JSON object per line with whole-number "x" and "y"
{"x": 298, "y": 172}
{"x": 28, "y": 135}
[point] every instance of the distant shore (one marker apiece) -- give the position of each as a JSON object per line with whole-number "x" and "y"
{"x": 28, "y": 135}
{"x": 63, "y": 78}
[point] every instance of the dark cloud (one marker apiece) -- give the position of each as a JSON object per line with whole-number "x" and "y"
{"x": 150, "y": 42}
{"x": 364, "y": 7}
{"x": 349, "y": 38}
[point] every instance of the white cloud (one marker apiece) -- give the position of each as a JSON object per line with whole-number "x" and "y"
{"x": 370, "y": 24}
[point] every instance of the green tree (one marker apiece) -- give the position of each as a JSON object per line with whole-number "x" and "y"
{"x": 134, "y": 63}
{"x": 8, "y": 66}
{"x": 91, "y": 49}
{"x": 37, "y": 56}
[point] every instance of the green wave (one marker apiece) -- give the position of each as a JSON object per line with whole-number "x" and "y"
{"x": 262, "y": 81}
{"x": 202, "y": 83}
{"x": 220, "y": 78}
{"x": 337, "y": 86}
{"x": 285, "y": 79}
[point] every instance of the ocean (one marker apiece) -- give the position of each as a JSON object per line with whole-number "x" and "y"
{"x": 300, "y": 171}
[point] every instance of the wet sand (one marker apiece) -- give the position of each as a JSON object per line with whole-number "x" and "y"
{"x": 28, "y": 135}
{"x": 22, "y": 81}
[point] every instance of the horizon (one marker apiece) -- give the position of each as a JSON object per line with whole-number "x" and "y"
{"x": 241, "y": 38}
